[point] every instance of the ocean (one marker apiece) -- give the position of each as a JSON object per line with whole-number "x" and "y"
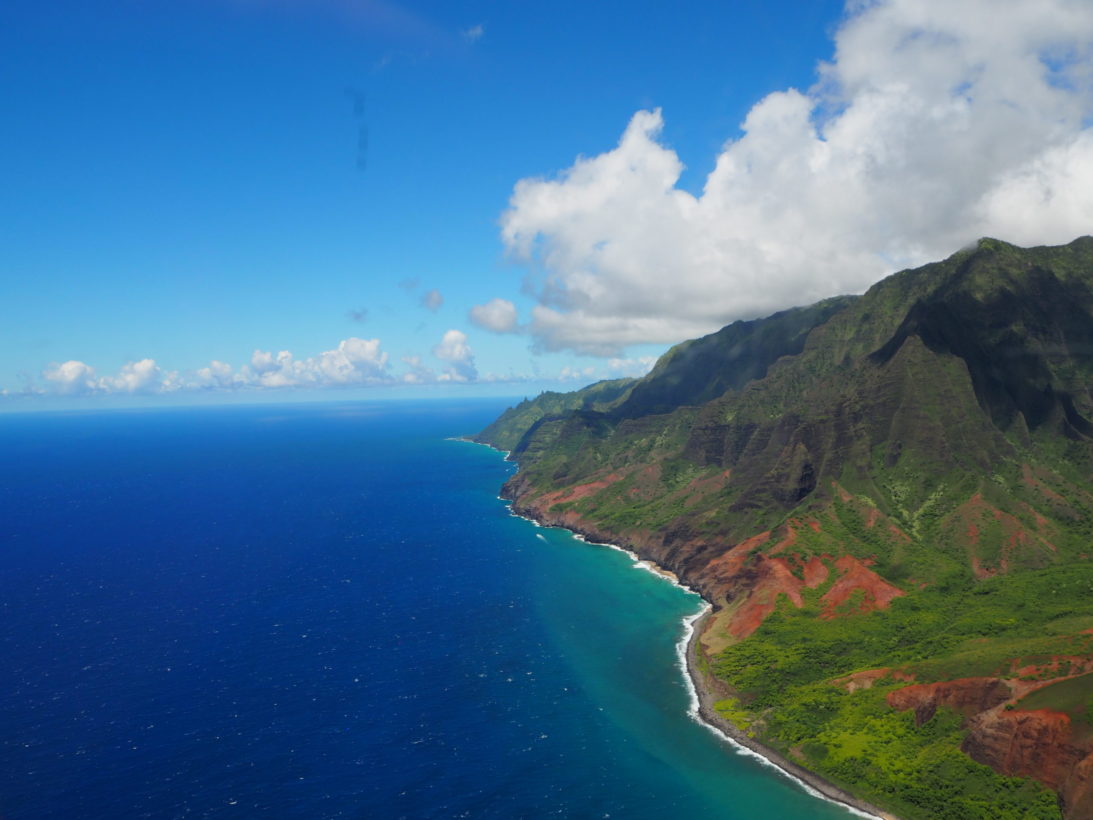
{"x": 325, "y": 611}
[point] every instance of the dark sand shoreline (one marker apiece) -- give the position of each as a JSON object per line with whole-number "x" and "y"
{"x": 703, "y": 686}
{"x": 707, "y": 698}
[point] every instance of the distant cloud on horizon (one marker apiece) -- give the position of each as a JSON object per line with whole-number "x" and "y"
{"x": 456, "y": 353}
{"x": 354, "y": 362}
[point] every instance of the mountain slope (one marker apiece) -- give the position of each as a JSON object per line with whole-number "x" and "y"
{"x": 507, "y": 430}
{"x": 897, "y": 486}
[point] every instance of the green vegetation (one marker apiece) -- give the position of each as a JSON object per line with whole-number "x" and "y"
{"x": 505, "y": 433}
{"x": 1074, "y": 697}
{"x": 917, "y": 771}
{"x": 730, "y": 710}
{"x": 968, "y": 629}
{"x": 939, "y": 430}
{"x": 784, "y": 674}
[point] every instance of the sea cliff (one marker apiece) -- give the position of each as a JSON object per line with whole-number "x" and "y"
{"x": 888, "y": 501}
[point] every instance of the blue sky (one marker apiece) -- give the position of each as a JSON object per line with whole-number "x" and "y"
{"x": 191, "y": 188}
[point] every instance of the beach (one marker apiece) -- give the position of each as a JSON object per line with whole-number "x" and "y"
{"x": 706, "y": 691}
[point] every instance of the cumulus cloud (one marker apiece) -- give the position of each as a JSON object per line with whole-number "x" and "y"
{"x": 935, "y": 123}
{"x": 145, "y": 376}
{"x": 353, "y": 362}
{"x": 454, "y": 350}
{"x": 418, "y": 373}
{"x": 71, "y": 377}
{"x": 432, "y": 300}
{"x": 497, "y": 315}
{"x": 217, "y": 374}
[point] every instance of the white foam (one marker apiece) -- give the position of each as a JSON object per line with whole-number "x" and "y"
{"x": 693, "y": 711}
{"x": 506, "y": 453}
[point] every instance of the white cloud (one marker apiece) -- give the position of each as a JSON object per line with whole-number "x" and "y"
{"x": 631, "y": 367}
{"x": 432, "y": 300}
{"x": 569, "y": 374}
{"x": 474, "y": 33}
{"x": 143, "y": 376}
{"x": 935, "y": 123}
{"x": 497, "y": 315}
{"x": 418, "y": 373}
{"x": 217, "y": 374}
{"x": 454, "y": 350}
{"x": 71, "y": 377}
{"x": 353, "y": 362}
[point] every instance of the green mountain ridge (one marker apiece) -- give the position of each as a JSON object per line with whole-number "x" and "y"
{"x": 900, "y": 481}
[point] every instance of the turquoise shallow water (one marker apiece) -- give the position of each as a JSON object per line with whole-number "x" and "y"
{"x": 326, "y": 611}
{"x": 620, "y": 626}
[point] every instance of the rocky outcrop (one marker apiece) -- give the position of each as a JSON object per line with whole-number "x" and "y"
{"x": 1041, "y": 743}
{"x": 1030, "y": 744}
{"x": 969, "y": 696}
{"x": 1076, "y": 796}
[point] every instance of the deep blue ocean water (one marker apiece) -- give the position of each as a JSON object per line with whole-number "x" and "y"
{"x": 320, "y": 611}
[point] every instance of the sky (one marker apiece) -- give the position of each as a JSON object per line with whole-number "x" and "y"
{"x": 229, "y": 200}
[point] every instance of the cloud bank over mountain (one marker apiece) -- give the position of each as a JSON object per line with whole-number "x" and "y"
{"x": 935, "y": 123}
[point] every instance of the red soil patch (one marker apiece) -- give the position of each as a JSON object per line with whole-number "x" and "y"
{"x": 1077, "y": 665}
{"x": 1017, "y": 541}
{"x": 969, "y": 696}
{"x": 1030, "y": 480}
{"x": 878, "y": 593}
{"x": 812, "y": 522}
{"x": 767, "y": 579}
{"x": 872, "y": 516}
{"x": 815, "y": 572}
{"x": 788, "y": 540}
{"x": 757, "y": 579}
{"x": 981, "y": 572}
{"x": 774, "y": 578}
{"x": 1041, "y": 522}
{"x": 699, "y": 487}
{"x": 727, "y": 566}
{"x": 1036, "y": 743}
{"x": 866, "y": 679}
{"x": 860, "y": 680}
{"x": 578, "y": 492}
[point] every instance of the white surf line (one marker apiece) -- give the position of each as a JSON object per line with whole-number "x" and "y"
{"x": 689, "y": 622}
{"x": 695, "y": 714}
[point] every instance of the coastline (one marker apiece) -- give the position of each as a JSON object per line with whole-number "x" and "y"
{"x": 703, "y": 711}
{"x": 701, "y": 688}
